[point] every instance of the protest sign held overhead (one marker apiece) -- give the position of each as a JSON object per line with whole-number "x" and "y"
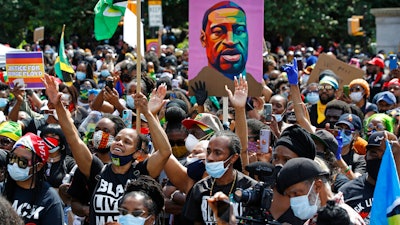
{"x": 26, "y": 69}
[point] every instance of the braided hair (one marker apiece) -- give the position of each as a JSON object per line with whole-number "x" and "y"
{"x": 150, "y": 189}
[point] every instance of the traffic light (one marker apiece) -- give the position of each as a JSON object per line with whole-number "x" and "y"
{"x": 353, "y": 26}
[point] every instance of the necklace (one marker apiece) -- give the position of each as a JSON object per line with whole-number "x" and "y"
{"x": 230, "y": 191}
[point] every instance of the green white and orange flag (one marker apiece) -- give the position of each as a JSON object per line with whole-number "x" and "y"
{"x": 108, "y": 14}
{"x": 130, "y": 26}
{"x": 62, "y": 67}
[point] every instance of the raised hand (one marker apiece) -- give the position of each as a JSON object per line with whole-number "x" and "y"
{"x": 239, "y": 98}
{"x": 292, "y": 72}
{"x": 141, "y": 102}
{"x": 18, "y": 93}
{"x": 52, "y": 89}
{"x": 200, "y": 92}
{"x": 338, "y": 154}
{"x": 111, "y": 96}
{"x": 157, "y": 99}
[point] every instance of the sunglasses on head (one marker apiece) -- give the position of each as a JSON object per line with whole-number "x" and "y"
{"x": 21, "y": 162}
{"x": 6, "y": 141}
{"x": 135, "y": 213}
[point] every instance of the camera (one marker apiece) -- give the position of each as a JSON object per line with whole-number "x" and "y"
{"x": 259, "y": 196}
{"x": 257, "y": 201}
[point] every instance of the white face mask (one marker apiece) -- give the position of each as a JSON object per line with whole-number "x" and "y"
{"x": 356, "y": 96}
{"x": 190, "y": 142}
{"x": 301, "y": 205}
{"x": 190, "y": 160}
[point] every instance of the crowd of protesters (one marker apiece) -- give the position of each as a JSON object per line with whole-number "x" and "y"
{"x": 69, "y": 156}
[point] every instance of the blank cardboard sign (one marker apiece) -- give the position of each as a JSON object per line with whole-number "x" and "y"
{"x": 346, "y": 73}
{"x": 38, "y": 34}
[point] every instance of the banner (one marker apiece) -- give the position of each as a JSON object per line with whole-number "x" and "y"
{"x": 26, "y": 69}
{"x": 155, "y": 13}
{"x": 226, "y": 40}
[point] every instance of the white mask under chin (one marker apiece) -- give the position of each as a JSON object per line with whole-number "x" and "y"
{"x": 190, "y": 142}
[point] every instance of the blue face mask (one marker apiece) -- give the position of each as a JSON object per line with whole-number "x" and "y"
{"x": 3, "y": 102}
{"x": 278, "y": 117}
{"x": 346, "y": 138}
{"x": 130, "y": 102}
{"x": 80, "y": 75}
{"x": 312, "y": 98}
{"x": 217, "y": 169}
{"x": 121, "y": 160}
{"x": 129, "y": 219}
{"x": 105, "y": 73}
{"x": 17, "y": 173}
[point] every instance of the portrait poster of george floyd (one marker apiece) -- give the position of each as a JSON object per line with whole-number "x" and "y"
{"x": 226, "y": 40}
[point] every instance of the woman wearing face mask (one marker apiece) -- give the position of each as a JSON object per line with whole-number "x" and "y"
{"x": 70, "y": 100}
{"x": 83, "y": 71}
{"x": 26, "y": 188}
{"x": 142, "y": 203}
{"x": 359, "y": 94}
{"x": 279, "y": 107}
{"x": 104, "y": 74}
{"x": 112, "y": 178}
{"x": 80, "y": 188}
{"x": 351, "y": 163}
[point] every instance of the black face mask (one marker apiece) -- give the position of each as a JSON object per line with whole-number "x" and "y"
{"x": 195, "y": 170}
{"x": 102, "y": 150}
{"x": 373, "y": 166}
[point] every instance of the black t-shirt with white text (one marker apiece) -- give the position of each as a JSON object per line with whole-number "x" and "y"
{"x": 47, "y": 209}
{"x": 109, "y": 189}
{"x": 358, "y": 194}
{"x": 197, "y": 209}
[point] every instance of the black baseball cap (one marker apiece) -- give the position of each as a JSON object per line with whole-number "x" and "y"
{"x": 375, "y": 139}
{"x": 297, "y": 170}
{"x": 327, "y": 139}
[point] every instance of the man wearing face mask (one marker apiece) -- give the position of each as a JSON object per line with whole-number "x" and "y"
{"x": 359, "y": 94}
{"x": 222, "y": 152}
{"x": 359, "y": 192}
{"x": 202, "y": 127}
{"x": 307, "y": 186}
{"x": 351, "y": 163}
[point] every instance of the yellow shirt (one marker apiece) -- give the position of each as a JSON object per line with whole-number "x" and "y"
{"x": 320, "y": 112}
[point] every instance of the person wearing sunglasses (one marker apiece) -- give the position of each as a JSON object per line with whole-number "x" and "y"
{"x": 359, "y": 94}
{"x": 327, "y": 88}
{"x": 349, "y": 127}
{"x": 141, "y": 204}
{"x": 10, "y": 132}
{"x": 26, "y": 189}
{"x": 379, "y": 122}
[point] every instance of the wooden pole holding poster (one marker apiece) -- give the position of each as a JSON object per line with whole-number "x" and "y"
{"x": 138, "y": 59}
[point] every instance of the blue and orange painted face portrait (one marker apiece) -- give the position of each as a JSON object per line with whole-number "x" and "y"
{"x": 225, "y": 39}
